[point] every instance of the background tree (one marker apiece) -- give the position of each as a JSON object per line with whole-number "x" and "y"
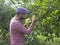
{"x": 46, "y": 29}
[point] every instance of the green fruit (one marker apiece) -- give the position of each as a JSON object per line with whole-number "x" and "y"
{"x": 49, "y": 18}
{"x": 28, "y": 20}
{"x": 0, "y": 30}
{"x": 49, "y": 34}
{"x": 33, "y": 16}
{"x": 53, "y": 35}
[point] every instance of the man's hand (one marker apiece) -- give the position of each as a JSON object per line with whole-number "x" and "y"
{"x": 34, "y": 20}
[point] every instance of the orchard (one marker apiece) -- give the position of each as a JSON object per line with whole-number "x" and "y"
{"x": 47, "y": 27}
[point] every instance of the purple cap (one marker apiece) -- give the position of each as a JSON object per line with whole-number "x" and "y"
{"x": 21, "y": 10}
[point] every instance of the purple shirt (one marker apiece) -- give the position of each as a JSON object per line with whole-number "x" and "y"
{"x": 17, "y": 31}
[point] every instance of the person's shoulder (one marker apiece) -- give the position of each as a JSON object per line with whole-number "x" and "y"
{"x": 12, "y": 20}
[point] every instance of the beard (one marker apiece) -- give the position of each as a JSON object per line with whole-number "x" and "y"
{"x": 21, "y": 18}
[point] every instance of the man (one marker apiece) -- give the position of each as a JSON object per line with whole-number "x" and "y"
{"x": 17, "y": 29}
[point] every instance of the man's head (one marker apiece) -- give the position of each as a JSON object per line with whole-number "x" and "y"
{"x": 21, "y": 12}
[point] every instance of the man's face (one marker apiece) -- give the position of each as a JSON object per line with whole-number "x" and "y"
{"x": 22, "y": 16}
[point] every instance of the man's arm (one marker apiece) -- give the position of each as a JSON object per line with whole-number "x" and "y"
{"x": 19, "y": 27}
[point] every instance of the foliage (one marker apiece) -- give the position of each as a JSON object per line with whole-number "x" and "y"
{"x": 47, "y": 27}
